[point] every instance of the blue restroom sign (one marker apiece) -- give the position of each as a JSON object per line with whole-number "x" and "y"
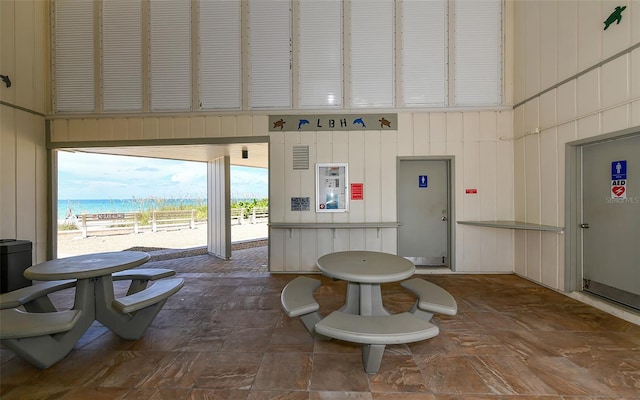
{"x": 619, "y": 170}
{"x": 619, "y": 179}
{"x": 422, "y": 181}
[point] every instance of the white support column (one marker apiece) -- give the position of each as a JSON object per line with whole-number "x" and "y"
{"x": 219, "y": 208}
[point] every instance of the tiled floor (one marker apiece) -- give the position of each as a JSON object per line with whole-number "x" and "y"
{"x": 224, "y": 336}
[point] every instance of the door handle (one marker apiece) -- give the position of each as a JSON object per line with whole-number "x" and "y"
{"x": 444, "y": 219}
{"x": 584, "y": 226}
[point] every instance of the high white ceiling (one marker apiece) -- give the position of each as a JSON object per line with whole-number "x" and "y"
{"x": 258, "y": 153}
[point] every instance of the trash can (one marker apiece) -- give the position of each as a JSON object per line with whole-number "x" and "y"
{"x": 15, "y": 257}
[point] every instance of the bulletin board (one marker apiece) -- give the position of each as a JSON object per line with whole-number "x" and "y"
{"x": 332, "y": 182}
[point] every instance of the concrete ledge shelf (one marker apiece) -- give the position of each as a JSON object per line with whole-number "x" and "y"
{"x": 330, "y": 225}
{"x": 339, "y": 225}
{"x": 514, "y": 225}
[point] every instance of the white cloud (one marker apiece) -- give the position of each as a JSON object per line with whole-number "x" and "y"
{"x": 100, "y": 176}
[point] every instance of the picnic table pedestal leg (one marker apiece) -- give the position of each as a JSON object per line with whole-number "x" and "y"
{"x": 352, "y": 304}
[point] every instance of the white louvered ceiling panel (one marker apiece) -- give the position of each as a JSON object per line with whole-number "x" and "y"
{"x": 220, "y": 55}
{"x": 122, "y": 55}
{"x": 320, "y": 54}
{"x": 74, "y": 56}
{"x": 270, "y": 53}
{"x": 372, "y": 53}
{"x": 170, "y": 55}
{"x": 478, "y": 53}
{"x": 424, "y": 52}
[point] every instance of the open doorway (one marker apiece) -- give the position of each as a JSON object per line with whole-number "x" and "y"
{"x": 251, "y": 173}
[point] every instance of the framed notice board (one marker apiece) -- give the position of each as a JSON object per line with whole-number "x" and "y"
{"x": 332, "y": 182}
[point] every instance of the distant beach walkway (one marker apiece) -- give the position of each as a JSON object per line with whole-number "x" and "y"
{"x": 71, "y": 243}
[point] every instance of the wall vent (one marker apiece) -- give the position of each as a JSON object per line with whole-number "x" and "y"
{"x": 300, "y": 157}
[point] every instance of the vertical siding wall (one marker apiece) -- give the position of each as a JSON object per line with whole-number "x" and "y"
{"x": 23, "y": 165}
{"x": 554, "y": 41}
{"x": 482, "y": 161}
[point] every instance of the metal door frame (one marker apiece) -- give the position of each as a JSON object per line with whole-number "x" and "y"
{"x": 450, "y": 161}
{"x": 573, "y": 205}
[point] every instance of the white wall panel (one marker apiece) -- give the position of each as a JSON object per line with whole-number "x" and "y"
{"x": 471, "y": 127}
{"x": 438, "y": 128}
{"x": 534, "y": 255}
{"x": 589, "y": 33}
{"x": 548, "y": 178}
{"x": 567, "y": 38}
{"x": 520, "y": 256}
{"x": 279, "y": 201}
{"x": 388, "y": 178}
{"x": 532, "y": 178}
{"x": 406, "y": 139}
{"x": 532, "y": 46}
{"x": 588, "y": 89}
{"x": 378, "y": 190}
{"x": 421, "y": 134}
{"x": 505, "y": 181}
{"x": 549, "y": 37}
{"x": 488, "y": 181}
{"x": 567, "y": 102}
{"x": 616, "y": 119}
{"x": 615, "y": 81}
{"x": 589, "y": 126}
{"x": 549, "y": 259}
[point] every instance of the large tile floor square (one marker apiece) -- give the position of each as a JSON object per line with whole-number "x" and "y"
{"x": 224, "y": 336}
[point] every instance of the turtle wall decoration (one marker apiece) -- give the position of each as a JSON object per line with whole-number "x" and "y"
{"x": 615, "y": 16}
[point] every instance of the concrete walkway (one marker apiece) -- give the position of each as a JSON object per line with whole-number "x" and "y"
{"x": 72, "y": 243}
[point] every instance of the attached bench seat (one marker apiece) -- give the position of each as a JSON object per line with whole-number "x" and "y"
{"x": 375, "y": 332}
{"x": 140, "y": 277}
{"x": 298, "y": 301}
{"x": 130, "y": 316}
{"x": 431, "y": 299}
{"x": 18, "y": 324}
{"x": 34, "y": 298}
{"x": 42, "y": 339}
{"x": 158, "y": 292}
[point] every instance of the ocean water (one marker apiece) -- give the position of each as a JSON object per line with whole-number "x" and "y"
{"x": 77, "y": 207}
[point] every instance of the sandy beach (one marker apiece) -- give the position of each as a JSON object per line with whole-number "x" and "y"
{"x": 71, "y": 243}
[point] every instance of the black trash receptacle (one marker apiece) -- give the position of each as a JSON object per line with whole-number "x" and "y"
{"x": 15, "y": 257}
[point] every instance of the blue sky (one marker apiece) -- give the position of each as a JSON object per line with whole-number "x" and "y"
{"x": 98, "y": 176}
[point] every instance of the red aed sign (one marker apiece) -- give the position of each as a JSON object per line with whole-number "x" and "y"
{"x": 357, "y": 190}
{"x": 471, "y": 191}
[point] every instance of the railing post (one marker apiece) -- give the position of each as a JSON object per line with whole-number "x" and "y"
{"x": 192, "y": 225}
{"x": 253, "y": 215}
{"x": 84, "y": 225}
{"x": 135, "y": 222}
{"x": 153, "y": 221}
{"x": 241, "y": 219}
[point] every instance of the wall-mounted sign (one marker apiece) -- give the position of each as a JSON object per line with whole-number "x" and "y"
{"x": 357, "y": 191}
{"x": 331, "y": 187}
{"x": 300, "y": 204}
{"x": 333, "y": 122}
{"x": 619, "y": 179}
{"x": 423, "y": 181}
{"x": 471, "y": 191}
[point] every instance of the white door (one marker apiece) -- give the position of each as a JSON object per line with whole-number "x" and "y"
{"x": 423, "y": 211}
{"x": 611, "y": 220}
